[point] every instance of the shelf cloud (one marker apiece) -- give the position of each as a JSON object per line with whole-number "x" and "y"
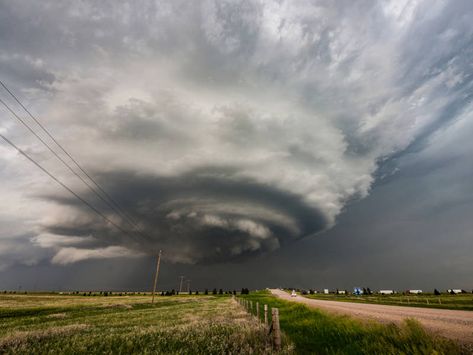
{"x": 226, "y": 129}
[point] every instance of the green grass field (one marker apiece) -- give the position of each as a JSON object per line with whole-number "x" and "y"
{"x": 60, "y": 324}
{"x": 313, "y": 331}
{"x": 445, "y": 301}
{"x": 67, "y": 324}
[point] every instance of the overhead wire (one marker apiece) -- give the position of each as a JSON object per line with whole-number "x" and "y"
{"x": 108, "y": 200}
{"x": 47, "y": 172}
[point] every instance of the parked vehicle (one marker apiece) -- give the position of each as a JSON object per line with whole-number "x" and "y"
{"x": 293, "y": 293}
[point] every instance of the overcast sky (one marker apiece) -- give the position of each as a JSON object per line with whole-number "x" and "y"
{"x": 257, "y": 143}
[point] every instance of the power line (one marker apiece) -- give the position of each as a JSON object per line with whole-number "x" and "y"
{"x": 56, "y": 155}
{"x": 63, "y": 185}
{"x": 108, "y": 200}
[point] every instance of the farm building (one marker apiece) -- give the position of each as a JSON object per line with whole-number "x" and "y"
{"x": 386, "y": 292}
{"x": 415, "y": 291}
{"x": 454, "y": 290}
{"x": 326, "y": 291}
{"x": 341, "y": 292}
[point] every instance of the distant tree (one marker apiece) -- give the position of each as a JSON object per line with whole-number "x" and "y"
{"x": 452, "y": 292}
{"x": 206, "y": 292}
{"x": 197, "y": 292}
{"x": 190, "y": 292}
{"x": 436, "y": 292}
{"x": 365, "y": 291}
{"x": 369, "y": 291}
{"x": 220, "y": 292}
{"x": 162, "y": 293}
{"x": 234, "y": 292}
{"x": 311, "y": 291}
{"x": 214, "y": 291}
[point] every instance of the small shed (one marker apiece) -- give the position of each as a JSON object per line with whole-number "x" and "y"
{"x": 416, "y": 292}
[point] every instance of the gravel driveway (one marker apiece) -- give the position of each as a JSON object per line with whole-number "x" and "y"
{"x": 453, "y": 324}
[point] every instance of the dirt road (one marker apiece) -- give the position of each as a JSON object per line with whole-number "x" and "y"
{"x": 449, "y": 323}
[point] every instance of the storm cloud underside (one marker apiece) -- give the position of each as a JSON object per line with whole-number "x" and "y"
{"x": 227, "y": 129}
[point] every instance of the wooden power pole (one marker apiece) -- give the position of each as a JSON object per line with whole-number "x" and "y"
{"x": 156, "y": 276}
{"x": 180, "y": 284}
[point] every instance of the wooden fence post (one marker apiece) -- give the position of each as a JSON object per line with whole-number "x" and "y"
{"x": 251, "y": 307}
{"x": 266, "y": 314}
{"x": 276, "y": 329}
{"x": 257, "y": 310}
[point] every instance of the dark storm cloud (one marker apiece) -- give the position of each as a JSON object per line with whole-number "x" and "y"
{"x": 228, "y": 128}
{"x": 201, "y": 216}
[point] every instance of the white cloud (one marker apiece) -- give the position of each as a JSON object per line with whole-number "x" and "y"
{"x": 72, "y": 255}
{"x": 48, "y": 240}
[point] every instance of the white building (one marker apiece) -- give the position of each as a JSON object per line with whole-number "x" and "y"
{"x": 386, "y": 292}
{"x": 341, "y": 292}
{"x": 326, "y": 291}
{"x": 415, "y": 291}
{"x": 454, "y": 290}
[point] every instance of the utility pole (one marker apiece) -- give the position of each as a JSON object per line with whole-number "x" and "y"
{"x": 180, "y": 284}
{"x": 156, "y": 276}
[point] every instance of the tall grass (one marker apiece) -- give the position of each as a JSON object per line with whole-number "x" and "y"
{"x": 317, "y": 332}
{"x": 120, "y": 325}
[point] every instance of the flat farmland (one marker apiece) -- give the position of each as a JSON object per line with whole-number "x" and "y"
{"x": 56, "y": 324}
{"x": 462, "y": 301}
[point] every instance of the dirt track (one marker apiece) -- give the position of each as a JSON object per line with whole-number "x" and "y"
{"x": 453, "y": 324}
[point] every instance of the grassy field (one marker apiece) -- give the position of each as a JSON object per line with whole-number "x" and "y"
{"x": 445, "y": 301}
{"x": 63, "y": 324}
{"x": 313, "y": 331}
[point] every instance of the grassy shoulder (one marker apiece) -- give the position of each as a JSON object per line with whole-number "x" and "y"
{"x": 56, "y": 324}
{"x": 444, "y": 301}
{"x": 314, "y": 331}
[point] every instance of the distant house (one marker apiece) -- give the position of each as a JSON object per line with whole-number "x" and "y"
{"x": 454, "y": 290}
{"x": 341, "y": 292}
{"x": 326, "y": 291}
{"x": 415, "y": 291}
{"x": 386, "y": 292}
{"x": 357, "y": 291}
